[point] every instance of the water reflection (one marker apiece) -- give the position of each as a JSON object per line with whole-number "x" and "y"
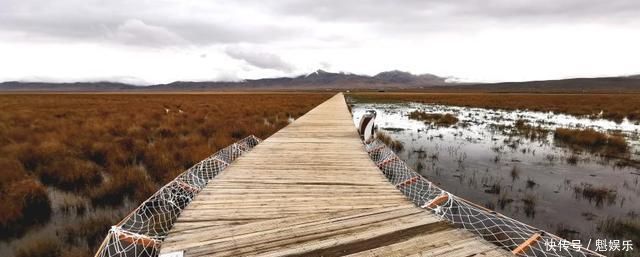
{"x": 508, "y": 161}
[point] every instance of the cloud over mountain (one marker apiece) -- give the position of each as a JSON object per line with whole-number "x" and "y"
{"x": 259, "y": 59}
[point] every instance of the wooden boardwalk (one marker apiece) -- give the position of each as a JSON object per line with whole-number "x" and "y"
{"x": 312, "y": 190}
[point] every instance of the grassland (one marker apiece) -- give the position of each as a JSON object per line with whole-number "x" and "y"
{"x": 613, "y": 107}
{"x": 71, "y": 165}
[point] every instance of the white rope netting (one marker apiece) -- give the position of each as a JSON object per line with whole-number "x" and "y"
{"x": 141, "y": 232}
{"x": 510, "y": 234}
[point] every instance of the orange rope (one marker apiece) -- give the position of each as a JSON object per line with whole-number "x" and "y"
{"x": 522, "y": 247}
{"x": 437, "y": 201}
{"x": 408, "y": 181}
{"x": 385, "y": 162}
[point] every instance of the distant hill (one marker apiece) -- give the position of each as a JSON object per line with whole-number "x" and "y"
{"x": 324, "y": 80}
{"x": 77, "y": 86}
{"x": 576, "y": 85}
{"x": 318, "y": 80}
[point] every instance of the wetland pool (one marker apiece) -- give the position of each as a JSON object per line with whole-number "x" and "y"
{"x": 537, "y": 180}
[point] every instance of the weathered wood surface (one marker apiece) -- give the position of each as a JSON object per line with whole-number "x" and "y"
{"x": 312, "y": 190}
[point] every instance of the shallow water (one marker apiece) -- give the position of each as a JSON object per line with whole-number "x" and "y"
{"x": 481, "y": 160}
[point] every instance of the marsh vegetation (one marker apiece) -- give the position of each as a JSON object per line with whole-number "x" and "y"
{"x": 72, "y": 165}
{"x": 614, "y": 107}
{"x": 577, "y": 176}
{"x": 437, "y": 119}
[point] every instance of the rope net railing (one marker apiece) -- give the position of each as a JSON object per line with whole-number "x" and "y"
{"x": 517, "y": 237}
{"x": 141, "y": 232}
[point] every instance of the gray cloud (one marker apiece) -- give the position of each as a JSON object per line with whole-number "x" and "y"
{"x": 149, "y": 23}
{"x": 136, "y": 32}
{"x": 389, "y": 17}
{"x": 136, "y": 22}
{"x": 259, "y": 59}
{"x": 364, "y": 36}
{"x": 412, "y": 10}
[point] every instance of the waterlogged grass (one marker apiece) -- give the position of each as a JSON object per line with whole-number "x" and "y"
{"x": 76, "y": 163}
{"x": 566, "y": 181}
{"x": 627, "y": 228}
{"x": 591, "y": 140}
{"x": 24, "y": 200}
{"x": 613, "y": 107}
{"x": 596, "y": 194}
{"x": 395, "y": 145}
{"x": 529, "y": 131}
{"x": 438, "y": 119}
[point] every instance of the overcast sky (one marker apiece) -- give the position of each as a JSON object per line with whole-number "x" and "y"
{"x": 160, "y": 41}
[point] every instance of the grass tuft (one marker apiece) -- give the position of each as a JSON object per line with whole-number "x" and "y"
{"x": 395, "y": 145}
{"x": 591, "y": 140}
{"x": 444, "y": 120}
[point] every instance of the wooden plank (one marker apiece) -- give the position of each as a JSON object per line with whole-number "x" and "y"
{"x": 312, "y": 190}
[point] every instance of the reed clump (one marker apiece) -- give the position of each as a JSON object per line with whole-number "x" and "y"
{"x": 395, "y": 145}
{"x": 596, "y": 194}
{"x": 523, "y": 128}
{"x": 593, "y": 141}
{"x": 438, "y": 119}
{"x": 25, "y": 203}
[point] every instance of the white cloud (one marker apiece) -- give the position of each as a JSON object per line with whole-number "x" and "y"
{"x": 260, "y": 59}
{"x": 136, "y": 32}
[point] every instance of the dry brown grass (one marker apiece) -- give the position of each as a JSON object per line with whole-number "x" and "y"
{"x": 395, "y": 145}
{"x": 24, "y": 200}
{"x": 41, "y": 245}
{"x": 613, "y": 106}
{"x": 529, "y": 131}
{"x": 611, "y": 145}
{"x": 109, "y": 149}
{"x": 438, "y": 119}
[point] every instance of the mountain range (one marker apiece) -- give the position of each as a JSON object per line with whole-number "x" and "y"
{"x": 324, "y": 80}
